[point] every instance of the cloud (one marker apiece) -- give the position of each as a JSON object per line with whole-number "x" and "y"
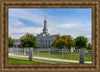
{"x": 88, "y": 36}
{"x": 66, "y": 25}
{"x": 15, "y": 22}
{"x": 18, "y": 32}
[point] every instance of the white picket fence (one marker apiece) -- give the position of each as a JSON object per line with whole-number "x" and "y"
{"x": 48, "y": 55}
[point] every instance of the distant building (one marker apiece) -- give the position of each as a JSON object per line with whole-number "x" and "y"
{"x": 17, "y": 43}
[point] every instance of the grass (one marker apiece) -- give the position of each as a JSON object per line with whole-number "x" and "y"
{"x": 69, "y": 56}
{"x": 20, "y": 61}
{"x": 66, "y": 56}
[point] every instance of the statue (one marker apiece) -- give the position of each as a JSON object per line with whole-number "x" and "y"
{"x": 45, "y": 17}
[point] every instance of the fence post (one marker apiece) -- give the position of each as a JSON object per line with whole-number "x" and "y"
{"x": 30, "y": 54}
{"x": 17, "y": 51}
{"x": 24, "y": 53}
{"x": 38, "y": 54}
{"x": 12, "y": 50}
{"x": 49, "y": 55}
{"x": 81, "y": 56}
{"x": 62, "y": 56}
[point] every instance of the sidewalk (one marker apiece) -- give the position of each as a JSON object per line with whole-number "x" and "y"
{"x": 12, "y": 55}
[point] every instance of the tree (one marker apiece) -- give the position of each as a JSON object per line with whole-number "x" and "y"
{"x": 89, "y": 46}
{"x": 37, "y": 46}
{"x": 55, "y": 42}
{"x": 81, "y": 42}
{"x": 28, "y": 40}
{"x": 63, "y": 42}
{"x": 70, "y": 42}
{"x": 10, "y": 42}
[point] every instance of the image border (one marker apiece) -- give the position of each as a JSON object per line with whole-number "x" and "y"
{"x": 5, "y": 5}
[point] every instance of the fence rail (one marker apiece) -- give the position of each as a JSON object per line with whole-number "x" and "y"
{"x": 60, "y": 56}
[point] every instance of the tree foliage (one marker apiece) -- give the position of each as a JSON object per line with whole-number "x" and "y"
{"x": 28, "y": 40}
{"x": 37, "y": 46}
{"x": 89, "y": 46}
{"x": 81, "y": 42}
{"x": 70, "y": 42}
{"x": 63, "y": 42}
{"x": 10, "y": 42}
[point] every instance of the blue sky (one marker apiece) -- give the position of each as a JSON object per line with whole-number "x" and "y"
{"x": 65, "y": 21}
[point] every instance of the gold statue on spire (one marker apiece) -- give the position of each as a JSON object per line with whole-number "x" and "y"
{"x": 45, "y": 17}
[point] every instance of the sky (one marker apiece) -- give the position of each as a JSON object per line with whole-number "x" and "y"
{"x": 63, "y": 21}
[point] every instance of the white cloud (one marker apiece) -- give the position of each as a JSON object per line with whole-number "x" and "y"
{"x": 15, "y": 22}
{"x": 67, "y": 25}
{"x": 88, "y": 36}
{"x": 18, "y": 32}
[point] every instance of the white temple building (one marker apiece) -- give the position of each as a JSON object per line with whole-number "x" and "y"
{"x": 44, "y": 39}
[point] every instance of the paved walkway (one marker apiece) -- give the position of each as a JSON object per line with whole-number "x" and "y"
{"x": 21, "y": 56}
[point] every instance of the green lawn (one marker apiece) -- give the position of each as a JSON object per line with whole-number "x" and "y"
{"x": 20, "y": 61}
{"x": 69, "y": 56}
{"x": 66, "y": 56}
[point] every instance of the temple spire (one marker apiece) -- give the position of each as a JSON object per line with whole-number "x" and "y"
{"x": 45, "y": 30}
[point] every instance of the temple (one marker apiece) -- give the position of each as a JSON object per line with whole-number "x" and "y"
{"x": 44, "y": 39}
